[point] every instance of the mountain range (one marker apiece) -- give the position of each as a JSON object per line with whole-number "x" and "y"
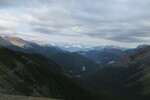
{"x": 76, "y": 63}
{"x": 71, "y": 62}
{"x": 38, "y": 69}
{"x": 80, "y": 47}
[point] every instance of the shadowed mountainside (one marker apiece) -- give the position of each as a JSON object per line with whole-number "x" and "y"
{"x": 127, "y": 78}
{"x": 35, "y": 75}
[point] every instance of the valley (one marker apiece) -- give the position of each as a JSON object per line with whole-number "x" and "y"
{"x": 47, "y": 71}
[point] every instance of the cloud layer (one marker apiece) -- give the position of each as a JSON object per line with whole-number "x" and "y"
{"x": 102, "y": 21}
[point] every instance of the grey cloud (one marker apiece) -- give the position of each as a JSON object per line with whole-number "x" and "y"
{"x": 127, "y": 39}
{"x": 23, "y": 3}
{"x": 3, "y": 28}
{"x": 135, "y": 37}
{"x": 122, "y": 35}
{"x": 46, "y": 30}
{"x": 117, "y": 20}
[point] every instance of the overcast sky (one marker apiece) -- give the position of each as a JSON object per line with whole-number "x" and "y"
{"x": 94, "y": 22}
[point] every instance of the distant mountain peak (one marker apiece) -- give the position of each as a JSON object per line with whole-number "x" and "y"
{"x": 19, "y": 42}
{"x": 100, "y": 47}
{"x": 41, "y": 43}
{"x": 142, "y": 46}
{"x": 4, "y": 42}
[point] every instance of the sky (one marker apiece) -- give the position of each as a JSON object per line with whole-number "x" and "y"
{"x": 90, "y": 22}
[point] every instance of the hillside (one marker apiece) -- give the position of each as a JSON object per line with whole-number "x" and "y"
{"x": 127, "y": 78}
{"x": 35, "y": 75}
